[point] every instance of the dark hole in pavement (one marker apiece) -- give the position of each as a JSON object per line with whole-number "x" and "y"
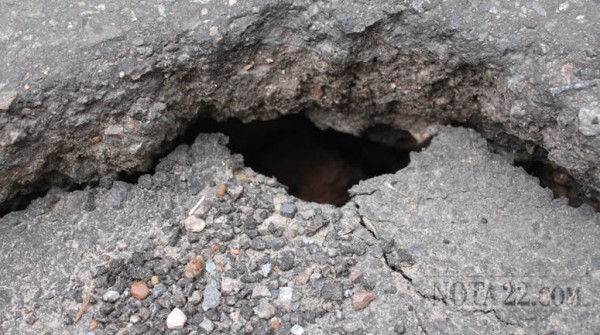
{"x": 316, "y": 165}
{"x": 534, "y": 160}
{"x": 559, "y": 182}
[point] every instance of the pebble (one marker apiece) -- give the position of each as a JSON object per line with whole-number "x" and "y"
{"x": 286, "y": 260}
{"x": 159, "y": 290}
{"x": 210, "y": 266}
{"x": 274, "y": 324}
{"x": 362, "y": 299}
{"x": 139, "y": 290}
{"x": 221, "y": 190}
{"x": 264, "y": 310}
{"x": 207, "y": 325}
{"x": 297, "y": 330}
{"x": 118, "y": 194}
{"x": 265, "y": 269}
{"x": 285, "y": 294}
{"x": 134, "y": 319}
{"x": 356, "y": 276}
{"x": 194, "y": 267}
{"x": 111, "y": 296}
{"x": 94, "y": 324}
{"x": 230, "y": 285}
{"x": 212, "y": 295}
{"x": 333, "y": 291}
{"x": 155, "y": 280}
{"x": 176, "y": 319}
{"x": 235, "y": 191}
{"x": 288, "y": 210}
{"x": 277, "y": 243}
{"x": 261, "y": 291}
{"x": 194, "y": 224}
{"x": 195, "y": 298}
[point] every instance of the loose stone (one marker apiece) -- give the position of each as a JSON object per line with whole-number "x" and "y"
{"x": 297, "y": 330}
{"x": 288, "y": 210}
{"x": 194, "y": 224}
{"x": 139, "y": 290}
{"x": 176, "y": 319}
{"x": 194, "y": 267}
{"x": 212, "y": 296}
{"x": 362, "y": 299}
{"x": 111, "y": 296}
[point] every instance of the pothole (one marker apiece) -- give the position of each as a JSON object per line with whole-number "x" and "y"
{"x": 316, "y": 165}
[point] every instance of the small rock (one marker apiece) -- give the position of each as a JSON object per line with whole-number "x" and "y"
{"x": 235, "y": 191}
{"x": 6, "y": 99}
{"x": 114, "y": 131}
{"x": 94, "y": 324}
{"x": 288, "y": 210}
{"x": 264, "y": 310}
{"x": 139, "y": 290}
{"x": 221, "y": 190}
{"x": 229, "y": 285}
{"x": 177, "y": 297}
{"x": 297, "y": 330}
{"x": 176, "y": 319}
{"x": 111, "y": 296}
{"x": 265, "y": 269}
{"x": 212, "y": 296}
{"x": 155, "y": 280}
{"x": 134, "y": 319}
{"x": 286, "y": 260}
{"x": 333, "y": 291}
{"x": 302, "y": 278}
{"x": 315, "y": 225}
{"x": 307, "y": 214}
{"x": 277, "y": 243}
{"x": 207, "y": 325}
{"x": 118, "y": 194}
{"x": 194, "y": 267}
{"x": 159, "y": 290}
{"x": 261, "y": 291}
{"x": 285, "y": 294}
{"x": 195, "y": 298}
{"x": 356, "y": 276}
{"x": 274, "y": 324}
{"x": 362, "y": 299}
{"x": 210, "y": 266}
{"x": 144, "y": 313}
{"x": 194, "y": 224}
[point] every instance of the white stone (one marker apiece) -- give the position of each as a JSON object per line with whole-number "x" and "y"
{"x": 111, "y": 296}
{"x": 297, "y": 330}
{"x": 194, "y": 224}
{"x": 176, "y": 319}
{"x": 285, "y": 294}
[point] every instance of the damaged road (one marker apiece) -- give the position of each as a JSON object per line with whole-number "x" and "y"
{"x": 460, "y": 241}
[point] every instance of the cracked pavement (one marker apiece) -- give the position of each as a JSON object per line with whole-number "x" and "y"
{"x": 459, "y": 242}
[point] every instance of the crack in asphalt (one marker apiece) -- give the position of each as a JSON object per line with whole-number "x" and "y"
{"x": 365, "y": 223}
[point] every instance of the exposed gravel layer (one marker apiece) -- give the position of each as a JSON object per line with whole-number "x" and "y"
{"x": 226, "y": 251}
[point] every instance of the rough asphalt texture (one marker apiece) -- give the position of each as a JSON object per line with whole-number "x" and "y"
{"x": 459, "y": 242}
{"x": 95, "y": 87}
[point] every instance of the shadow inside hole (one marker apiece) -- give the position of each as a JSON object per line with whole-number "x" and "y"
{"x": 316, "y": 166}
